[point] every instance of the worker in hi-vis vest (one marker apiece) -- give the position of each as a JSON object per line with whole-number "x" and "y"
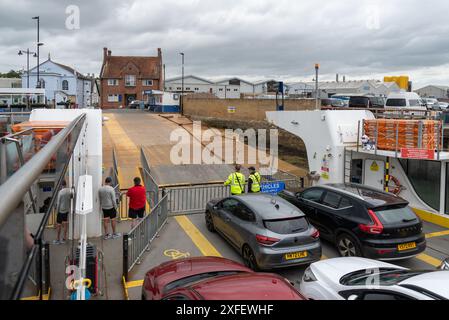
{"x": 253, "y": 180}
{"x": 237, "y": 181}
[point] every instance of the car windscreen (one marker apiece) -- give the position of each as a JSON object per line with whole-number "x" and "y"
{"x": 287, "y": 226}
{"x": 187, "y": 281}
{"x": 380, "y": 276}
{"x": 396, "y": 103}
{"x": 358, "y": 102}
{"x": 395, "y": 215}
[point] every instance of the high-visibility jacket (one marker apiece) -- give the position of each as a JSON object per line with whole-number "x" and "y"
{"x": 237, "y": 182}
{"x": 255, "y": 182}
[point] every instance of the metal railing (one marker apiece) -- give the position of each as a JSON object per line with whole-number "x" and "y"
{"x": 139, "y": 239}
{"x": 12, "y": 190}
{"x": 193, "y": 199}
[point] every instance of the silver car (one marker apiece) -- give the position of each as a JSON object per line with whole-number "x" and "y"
{"x": 267, "y": 231}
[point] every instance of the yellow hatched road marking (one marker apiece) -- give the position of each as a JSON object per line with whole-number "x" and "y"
{"x": 429, "y": 260}
{"x": 437, "y": 234}
{"x": 206, "y": 248}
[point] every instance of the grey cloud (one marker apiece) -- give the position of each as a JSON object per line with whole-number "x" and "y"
{"x": 235, "y": 37}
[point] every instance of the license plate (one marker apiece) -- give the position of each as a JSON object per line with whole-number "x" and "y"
{"x": 296, "y": 255}
{"x": 407, "y": 246}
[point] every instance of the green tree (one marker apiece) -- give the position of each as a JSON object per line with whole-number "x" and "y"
{"x": 11, "y": 74}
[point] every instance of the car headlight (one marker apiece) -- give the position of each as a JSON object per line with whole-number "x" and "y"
{"x": 308, "y": 276}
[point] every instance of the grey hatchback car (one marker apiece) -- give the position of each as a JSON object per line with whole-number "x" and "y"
{"x": 268, "y": 231}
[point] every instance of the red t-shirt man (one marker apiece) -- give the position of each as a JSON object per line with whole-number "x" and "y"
{"x": 137, "y": 200}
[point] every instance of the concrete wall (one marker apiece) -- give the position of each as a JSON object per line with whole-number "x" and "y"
{"x": 245, "y": 109}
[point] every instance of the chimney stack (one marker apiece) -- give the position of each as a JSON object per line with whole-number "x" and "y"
{"x": 105, "y": 53}
{"x": 344, "y": 78}
{"x": 337, "y": 77}
{"x": 159, "y": 52}
{"x": 109, "y": 53}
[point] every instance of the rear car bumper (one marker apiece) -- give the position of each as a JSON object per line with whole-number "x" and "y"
{"x": 274, "y": 258}
{"x": 388, "y": 249}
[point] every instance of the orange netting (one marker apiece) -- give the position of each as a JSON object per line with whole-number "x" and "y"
{"x": 408, "y": 133}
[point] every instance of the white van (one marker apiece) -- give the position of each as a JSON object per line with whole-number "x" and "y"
{"x": 405, "y": 101}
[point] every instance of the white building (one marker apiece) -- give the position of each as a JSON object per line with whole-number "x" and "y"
{"x": 328, "y": 89}
{"x": 437, "y": 92}
{"x": 229, "y": 88}
{"x": 62, "y": 83}
{"x": 299, "y": 89}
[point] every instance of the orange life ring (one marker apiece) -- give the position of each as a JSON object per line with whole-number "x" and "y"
{"x": 398, "y": 187}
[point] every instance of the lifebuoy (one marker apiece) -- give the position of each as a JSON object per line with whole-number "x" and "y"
{"x": 397, "y": 185}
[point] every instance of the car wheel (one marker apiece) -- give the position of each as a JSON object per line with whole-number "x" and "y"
{"x": 209, "y": 222}
{"x": 249, "y": 258}
{"x": 347, "y": 246}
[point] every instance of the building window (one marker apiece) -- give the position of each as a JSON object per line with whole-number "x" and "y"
{"x": 220, "y": 89}
{"x": 188, "y": 89}
{"x": 169, "y": 88}
{"x": 65, "y": 85}
{"x": 147, "y": 83}
{"x": 112, "y": 82}
{"x": 113, "y": 98}
{"x": 42, "y": 84}
{"x": 178, "y": 88}
{"x": 130, "y": 81}
{"x": 236, "y": 90}
{"x": 197, "y": 89}
{"x": 228, "y": 89}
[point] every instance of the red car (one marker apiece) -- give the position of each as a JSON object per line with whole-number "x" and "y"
{"x": 212, "y": 278}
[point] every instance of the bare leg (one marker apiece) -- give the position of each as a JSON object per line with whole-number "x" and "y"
{"x": 113, "y": 223}
{"x": 58, "y": 230}
{"x": 65, "y": 225}
{"x": 105, "y": 225}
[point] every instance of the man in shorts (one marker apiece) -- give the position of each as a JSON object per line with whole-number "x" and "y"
{"x": 108, "y": 204}
{"x": 63, "y": 203}
{"x": 137, "y": 202}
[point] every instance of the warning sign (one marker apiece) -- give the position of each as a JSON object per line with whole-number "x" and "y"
{"x": 374, "y": 167}
{"x": 418, "y": 154}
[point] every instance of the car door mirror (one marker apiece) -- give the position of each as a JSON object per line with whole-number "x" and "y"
{"x": 353, "y": 297}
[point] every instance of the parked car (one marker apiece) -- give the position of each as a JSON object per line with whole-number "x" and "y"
{"x": 366, "y": 102}
{"x": 404, "y": 101}
{"x": 364, "y": 279}
{"x": 362, "y": 221}
{"x": 266, "y": 230}
{"x": 136, "y": 104}
{"x": 332, "y": 103}
{"x": 443, "y": 105}
{"x": 213, "y": 278}
{"x": 432, "y": 103}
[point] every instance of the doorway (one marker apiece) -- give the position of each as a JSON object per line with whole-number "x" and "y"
{"x": 374, "y": 173}
{"x": 130, "y": 98}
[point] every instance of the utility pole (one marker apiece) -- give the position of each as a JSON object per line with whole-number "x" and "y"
{"x": 317, "y": 68}
{"x": 182, "y": 85}
{"x": 38, "y": 83}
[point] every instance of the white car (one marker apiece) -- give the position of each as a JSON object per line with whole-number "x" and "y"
{"x": 364, "y": 279}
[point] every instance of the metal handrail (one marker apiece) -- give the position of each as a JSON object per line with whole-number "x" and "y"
{"x": 13, "y": 189}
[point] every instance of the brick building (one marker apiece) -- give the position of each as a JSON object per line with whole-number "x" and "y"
{"x": 126, "y": 78}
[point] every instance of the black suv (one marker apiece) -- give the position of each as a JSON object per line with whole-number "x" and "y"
{"x": 362, "y": 221}
{"x": 366, "y": 102}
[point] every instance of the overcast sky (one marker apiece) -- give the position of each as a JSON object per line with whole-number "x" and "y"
{"x": 255, "y": 39}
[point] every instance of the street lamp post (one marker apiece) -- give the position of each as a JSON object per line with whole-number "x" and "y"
{"x": 27, "y": 52}
{"x": 182, "y": 85}
{"x": 38, "y": 44}
{"x": 317, "y": 68}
